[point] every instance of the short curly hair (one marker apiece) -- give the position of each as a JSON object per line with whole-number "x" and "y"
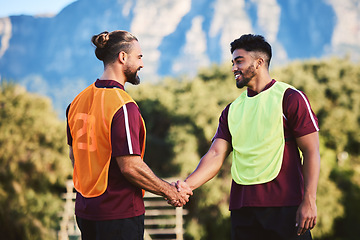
{"x": 253, "y": 43}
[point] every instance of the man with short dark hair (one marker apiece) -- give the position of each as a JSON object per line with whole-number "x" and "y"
{"x": 273, "y": 194}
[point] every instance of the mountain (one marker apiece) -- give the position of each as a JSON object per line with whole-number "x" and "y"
{"x": 53, "y": 55}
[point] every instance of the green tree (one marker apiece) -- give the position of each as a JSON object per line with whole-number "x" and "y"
{"x": 32, "y": 165}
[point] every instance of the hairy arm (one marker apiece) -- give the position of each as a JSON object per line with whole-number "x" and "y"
{"x": 307, "y": 211}
{"x": 138, "y": 172}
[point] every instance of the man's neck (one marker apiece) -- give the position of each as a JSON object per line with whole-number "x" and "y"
{"x": 111, "y": 74}
{"x": 259, "y": 83}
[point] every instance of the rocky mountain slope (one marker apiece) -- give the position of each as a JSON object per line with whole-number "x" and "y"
{"x": 54, "y": 56}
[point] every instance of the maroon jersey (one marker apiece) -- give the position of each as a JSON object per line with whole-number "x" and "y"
{"x": 287, "y": 189}
{"x": 121, "y": 199}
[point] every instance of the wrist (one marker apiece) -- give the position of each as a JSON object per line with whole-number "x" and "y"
{"x": 191, "y": 186}
{"x": 172, "y": 192}
{"x": 309, "y": 198}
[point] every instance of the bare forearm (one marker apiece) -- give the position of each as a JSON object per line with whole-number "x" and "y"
{"x": 307, "y": 212}
{"x": 138, "y": 173}
{"x": 142, "y": 176}
{"x": 311, "y": 171}
{"x": 309, "y": 145}
{"x": 209, "y": 164}
{"x": 204, "y": 172}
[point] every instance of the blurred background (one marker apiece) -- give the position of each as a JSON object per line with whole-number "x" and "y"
{"x": 46, "y": 59}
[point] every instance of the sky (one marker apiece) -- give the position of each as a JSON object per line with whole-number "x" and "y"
{"x": 32, "y": 7}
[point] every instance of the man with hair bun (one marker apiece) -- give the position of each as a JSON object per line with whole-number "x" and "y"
{"x": 273, "y": 192}
{"x": 106, "y": 137}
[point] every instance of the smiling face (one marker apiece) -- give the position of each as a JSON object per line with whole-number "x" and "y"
{"x": 243, "y": 67}
{"x": 133, "y": 64}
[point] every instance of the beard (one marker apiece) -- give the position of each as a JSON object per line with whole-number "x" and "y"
{"x": 132, "y": 76}
{"x": 246, "y": 76}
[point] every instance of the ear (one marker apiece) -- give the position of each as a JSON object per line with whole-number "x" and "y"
{"x": 259, "y": 62}
{"x": 122, "y": 56}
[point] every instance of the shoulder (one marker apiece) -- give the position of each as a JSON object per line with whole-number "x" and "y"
{"x": 239, "y": 99}
{"x": 294, "y": 96}
{"x": 123, "y": 94}
{"x": 85, "y": 91}
{"x": 298, "y": 112}
{"x": 225, "y": 112}
{"x": 223, "y": 129}
{"x": 128, "y": 112}
{"x": 129, "y": 109}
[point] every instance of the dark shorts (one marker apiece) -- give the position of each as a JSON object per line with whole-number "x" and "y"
{"x": 120, "y": 229}
{"x": 254, "y": 223}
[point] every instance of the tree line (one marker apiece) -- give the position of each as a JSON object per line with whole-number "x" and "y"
{"x": 181, "y": 116}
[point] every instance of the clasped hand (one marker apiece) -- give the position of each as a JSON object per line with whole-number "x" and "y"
{"x": 183, "y": 193}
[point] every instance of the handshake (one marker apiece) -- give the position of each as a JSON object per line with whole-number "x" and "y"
{"x": 180, "y": 194}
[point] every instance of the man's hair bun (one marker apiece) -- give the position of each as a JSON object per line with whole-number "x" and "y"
{"x": 101, "y": 39}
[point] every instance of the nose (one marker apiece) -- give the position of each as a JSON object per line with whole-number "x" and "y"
{"x": 234, "y": 68}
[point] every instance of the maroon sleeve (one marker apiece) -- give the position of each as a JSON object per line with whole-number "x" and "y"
{"x": 223, "y": 131}
{"x": 68, "y": 133}
{"x": 298, "y": 113}
{"x": 126, "y": 131}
